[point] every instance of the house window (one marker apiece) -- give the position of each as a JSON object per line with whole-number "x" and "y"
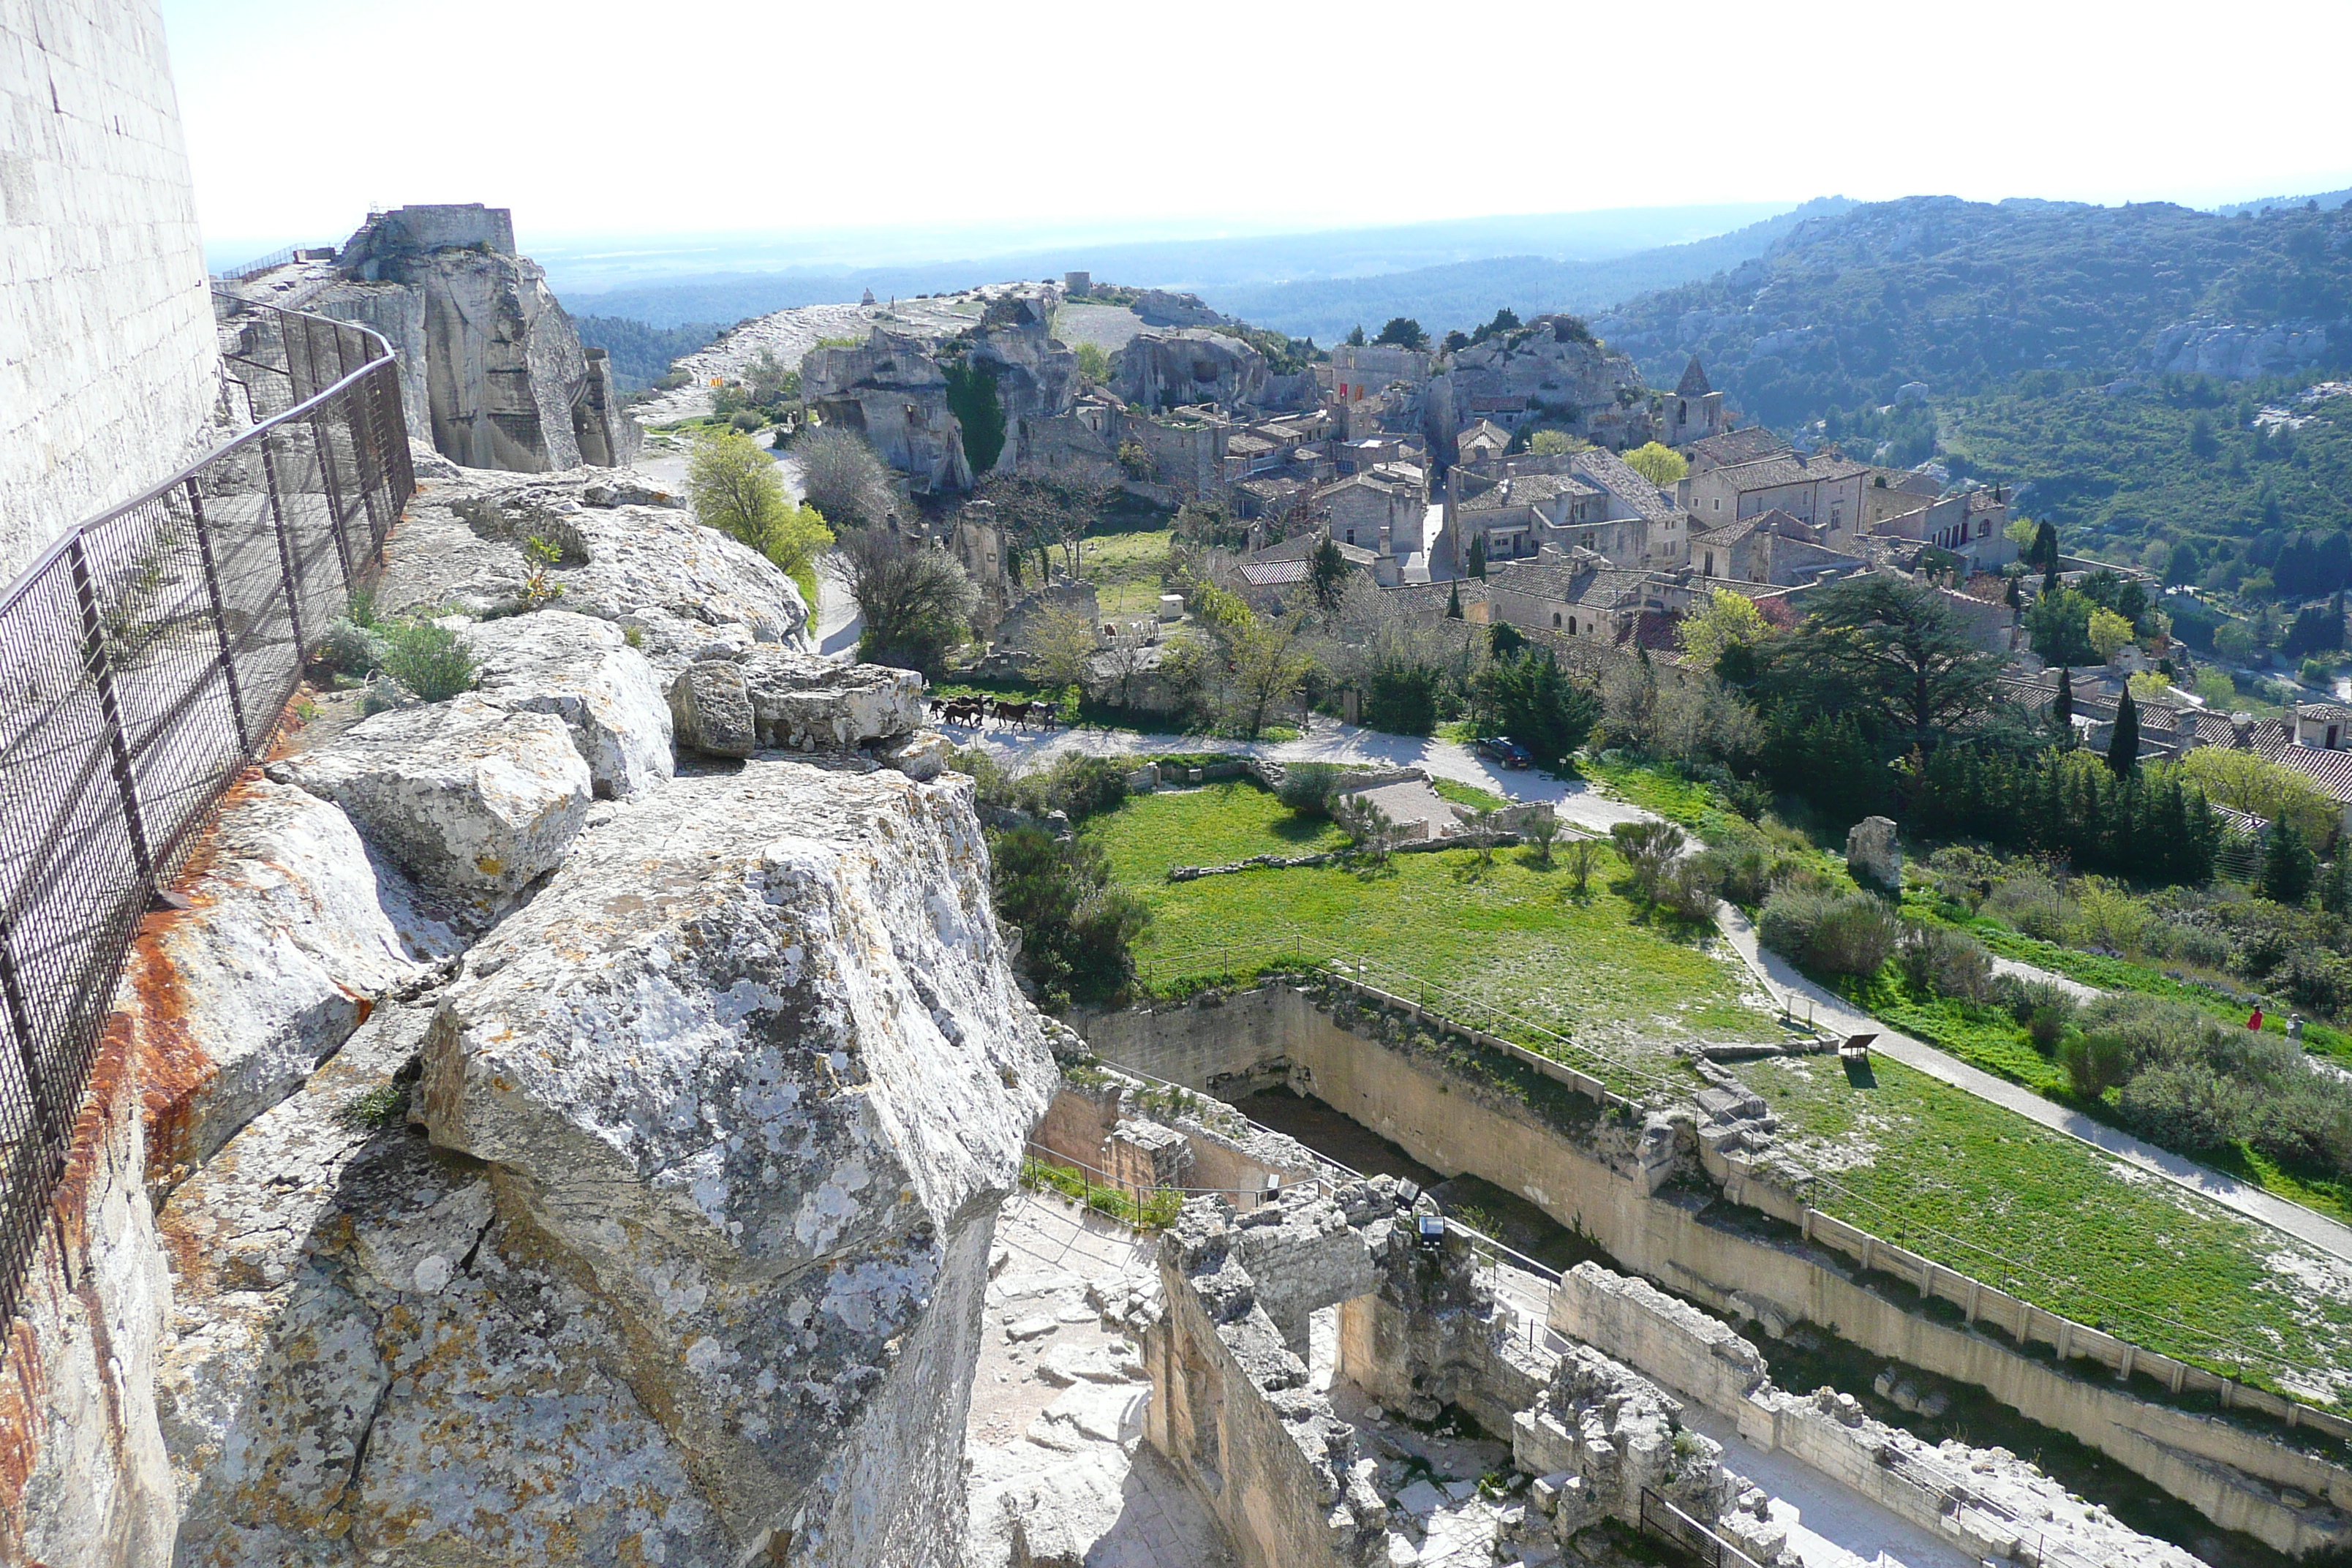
{"x": 1555, "y": 620}
{"x": 1351, "y": 536}
{"x": 2331, "y": 737}
{"x": 1571, "y": 626}
{"x": 1718, "y": 503}
{"x": 1710, "y": 562}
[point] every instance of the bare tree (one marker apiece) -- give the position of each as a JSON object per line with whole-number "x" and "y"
{"x": 841, "y": 476}
{"x": 1583, "y": 856}
{"x": 1060, "y": 643}
{"x": 916, "y": 601}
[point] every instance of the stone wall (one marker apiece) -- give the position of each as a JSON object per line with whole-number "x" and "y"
{"x": 1457, "y": 1124}
{"x": 109, "y": 370}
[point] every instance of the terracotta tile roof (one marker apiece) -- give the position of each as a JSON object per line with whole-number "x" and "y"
{"x": 2331, "y": 770}
{"x": 1660, "y": 631}
{"x": 1735, "y": 447}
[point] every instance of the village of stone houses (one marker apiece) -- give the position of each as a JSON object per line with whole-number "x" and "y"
{"x": 1044, "y": 924}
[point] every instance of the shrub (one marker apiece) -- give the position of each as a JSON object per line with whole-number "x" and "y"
{"x": 351, "y": 647}
{"x": 1848, "y": 934}
{"x": 2186, "y": 1105}
{"x": 2094, "y": 1063}
{"x": 1686, "y": 888}
{"x": 2032, "y": 903}
{"x": 1940, "y": 961}
{"x": 428, "y": 660}
{"x": 1648, "y": 848}
{"x": 1401, "y": 698}
{"x": 1308, "y": 788}
{"x": 1077, "y": 930}
{"x": 1077, "y": 786}
{"x": 1742, "y": 872}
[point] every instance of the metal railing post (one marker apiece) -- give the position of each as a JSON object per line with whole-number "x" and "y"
{"x": 285, "y": 554}
{"x": 100, "y": 664}
{"x": 220, "y": 616}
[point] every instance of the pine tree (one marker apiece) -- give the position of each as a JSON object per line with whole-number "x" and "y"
{"x": 2286, "y": 865}
{"x": 2123, "y": 749}
{"x": 2044, "y": 553}
{"x": 2062, "y": 708}
{"x": 2336, "y": 886}
{"x": 1454, "y": 603}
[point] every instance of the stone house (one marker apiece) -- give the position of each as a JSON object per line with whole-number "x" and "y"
{"x": 1973, "y": 524}
{"x": 1589, "y": 500}
{"x": 1361, "y": 371}
{"x": 1578, "y": 595}
{"x": 1271, "y": 498}
{"x": 1772, "y": 547}
{"x": 1481, "y": 442}
{"x": 1381, "y": 510}
{"x": 1356, "y": 453}
{"x": 1695, "y": 410}
{"x": 1730, "y": 448}
{"x": 1823, "y": 490}
{"x": 1187, "y": 448}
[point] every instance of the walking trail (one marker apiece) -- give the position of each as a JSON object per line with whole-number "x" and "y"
{"x": 1579, "y": 803}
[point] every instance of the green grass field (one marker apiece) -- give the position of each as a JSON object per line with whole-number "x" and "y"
{"x": 1125, "y": 570}
{"x": 1915, "y": 1160}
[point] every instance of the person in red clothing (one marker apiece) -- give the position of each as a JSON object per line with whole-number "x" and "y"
{"x": 2255, "y": 1022}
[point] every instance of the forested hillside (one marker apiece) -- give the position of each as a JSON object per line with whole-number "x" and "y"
{"x": 641, "y": 353}
{"x": 1963, "y": 296}
{"x": 2112, "y": 361}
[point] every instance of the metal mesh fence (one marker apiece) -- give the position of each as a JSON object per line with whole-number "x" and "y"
{"x": 145, "y": 658}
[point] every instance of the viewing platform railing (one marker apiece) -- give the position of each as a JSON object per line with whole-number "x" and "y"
{"x": 146, "y": 659}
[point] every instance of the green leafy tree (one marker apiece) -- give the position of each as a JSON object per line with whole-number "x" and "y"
{"x": 1356, "y": 336}
{"x": 916, "y": 602}
{"x": 1555, "y": 442}
{"x": 2336, "y": 886}
{"x": 2044, "y": 553}
{"x": 1404, "y": 333}
{"x": 1659, "y": 464}
{"x": 1526, "y": 696}
{"x": 1892, "y": 654}
{"x": 1094, "y": 363}
{"x": 1725, "y": 623}
{"x": 2108, "y": 633}
{"x": 1476, "y": 567}
{"x": 2183, "y": 565}
{"x": 735, "y": 488}
{"x": 2062, "y": 708}
{"x": 1077, "y": 930}
{"x": 2123, "y": 745}
{"x": 1327, "y": 575}
{"x": 972, "y": 399}
{"x": 2288, "y": 866}
{"x": 2059, "y": 627}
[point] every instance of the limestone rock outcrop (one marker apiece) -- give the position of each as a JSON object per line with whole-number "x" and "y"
{"x": 1553, "y": 361}
{"x": 792, "y": 701}
{"x": 464, "y": 793}
{"x": 233, "y": 1003}
{"x": 767, "y": 1022}
{"x": 1190, "y": 364}
{"x": 582, "y": 671}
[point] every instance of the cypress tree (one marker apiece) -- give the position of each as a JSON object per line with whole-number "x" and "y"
{"x": 2286, "y": 865}
{"x": 2336, "y": 886}
{"x": 1454, "y": 603}
{"x": 2123, "y": 749}
{"x": 2062, "y": 708}
{"x": 1478, "y": 566}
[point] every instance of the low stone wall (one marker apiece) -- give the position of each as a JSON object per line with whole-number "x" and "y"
{"x": 1457, "y": 1124}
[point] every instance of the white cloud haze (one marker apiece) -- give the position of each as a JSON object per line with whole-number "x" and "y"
{"x": 592, "y": 117}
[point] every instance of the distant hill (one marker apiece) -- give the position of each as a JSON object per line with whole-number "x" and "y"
{"x": 1466, "y": 293}
{"x": 1200, "y": 265}
{"x": 641, "y": 354}
{"x": 2112, "y": 361}
{"x": 1842, "y": 310}
{"x": 2326, "y": 199}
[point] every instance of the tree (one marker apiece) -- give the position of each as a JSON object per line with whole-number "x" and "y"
{"x": 2336, "y": 886}
{"x": 843, "y": 477}
{"x": 1356, "y": 336}
{"x": 769, "y": 380}
{"x": 1525, "y": 696}
{"x": 1061, "y": 644}
{"x": 1659, "y": 464}
{"x": 1894, "y": 655}
{"x": 1268, "y": 661}
{"x": 1094, "y": 363}
{"x": 2109, "y": 632}
{"x": 2287, "y": 864}
{"x": 2059, "y": 627}
{"x": 2044, "y": 553}
{"x": 1477, "y": 563}
{"x": 1506, "y": 321}
{"x": 2123, "y": 746}
{"x": 2062, "y": 708}
{"x": 1077, "y": 932}
{"x": 1726, "y": 622}
{"x": 916, "y": 601}
{"x": 2250, "y": 782}
{"x": 972, "y": 399}
{"x": 735, "y": 489}
{"x": 2183, "y": 565}
{"x": 1327, "y": 575}
{"x": 1555, "y": 442}
{"x": 1454, "y": 603}
{"x": 1404, "y": 333}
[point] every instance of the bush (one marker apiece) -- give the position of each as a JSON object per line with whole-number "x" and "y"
{"x": 2094, "y": 1063}
{"x": 1686, "y": 888}
{"x": 1941, "y": 961}
{"x": 2031, "y": 902}
{"x": 428, "y": 660}
{"x": 1401, "y": 698}
{"x": 1742, "y": 872}
{"x": 349, "y": 647}
{"x": 1077, "y": 930}
{"x": 1077, "y": 786}
{"x": 2186, "y": 1105}
{"x": 1835, "y": 934}
{"x": 1308, "y": 788}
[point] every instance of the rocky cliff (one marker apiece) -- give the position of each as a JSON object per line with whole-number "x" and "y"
{"x": 535, "y": 1145}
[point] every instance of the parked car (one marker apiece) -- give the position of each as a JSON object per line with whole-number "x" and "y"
{"x": 1505, "y": 750}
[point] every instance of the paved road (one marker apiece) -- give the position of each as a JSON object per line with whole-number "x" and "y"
{"x": 1579, "y": 803}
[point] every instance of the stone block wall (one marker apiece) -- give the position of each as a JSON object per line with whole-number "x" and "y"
{"x": 108, "y": 368}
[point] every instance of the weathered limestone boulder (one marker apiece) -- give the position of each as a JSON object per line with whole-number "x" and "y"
{"x": 231, "y": 1005}
{"x": 1873, "y": 854}
{"x": 583, "y": 672}
{"x": 462, "y": 794}
{"x": 921, "y": 757}
{"x": 752, "y": 1072}
{"x": 649, "y": 555}
{"x": 710, "y": 709}
{"x": 803, "y": 703}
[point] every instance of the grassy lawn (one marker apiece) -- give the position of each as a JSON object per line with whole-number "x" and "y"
{"x": 1470, "y": 795}
{"x": 1915, "y": 1160}
{"x": 1125, "y": 570}
{"x": 1509, "y": 933}
{"x": 1934, "y": 1169}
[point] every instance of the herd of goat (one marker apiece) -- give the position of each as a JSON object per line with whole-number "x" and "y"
{"x": 977, "y": 711}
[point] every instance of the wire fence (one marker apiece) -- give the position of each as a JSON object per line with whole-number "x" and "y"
{"x": 145, "y": 661}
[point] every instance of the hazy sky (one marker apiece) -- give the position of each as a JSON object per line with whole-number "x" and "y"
{"x": 592, "y": 117}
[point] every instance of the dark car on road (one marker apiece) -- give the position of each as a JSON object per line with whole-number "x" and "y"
{"x": 1507, "y": 752}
